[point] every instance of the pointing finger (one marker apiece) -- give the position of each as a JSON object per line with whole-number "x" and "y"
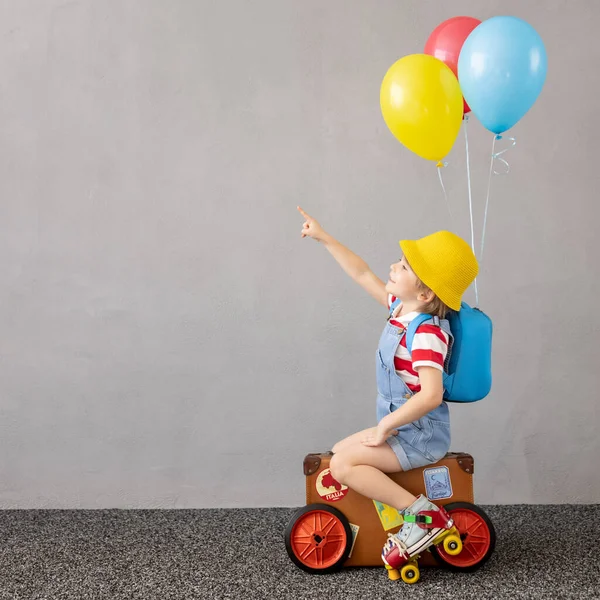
{"x": 305, "y": 215}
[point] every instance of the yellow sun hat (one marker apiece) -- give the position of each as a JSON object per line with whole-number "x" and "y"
{"x": 444, "y": 262}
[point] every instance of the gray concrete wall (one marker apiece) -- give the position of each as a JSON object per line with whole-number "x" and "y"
{"x": 167, "y": 340}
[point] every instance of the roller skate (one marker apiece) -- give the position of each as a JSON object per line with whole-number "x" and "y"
{"x": 425, "y": 524}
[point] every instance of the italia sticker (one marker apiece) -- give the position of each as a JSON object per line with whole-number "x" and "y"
{"x": 328, "y": 488}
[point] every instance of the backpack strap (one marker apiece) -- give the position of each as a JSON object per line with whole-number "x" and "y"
{"x": 414, "y": 324}
{"x": 410, "y": 334}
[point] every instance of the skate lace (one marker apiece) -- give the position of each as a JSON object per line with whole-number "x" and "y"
{"x": 393, "y": 540}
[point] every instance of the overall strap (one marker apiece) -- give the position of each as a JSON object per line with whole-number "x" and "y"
{"x": 394, "y": 305}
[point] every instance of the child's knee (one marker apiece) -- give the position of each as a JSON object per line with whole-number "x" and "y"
{"x": 339, "y": 467}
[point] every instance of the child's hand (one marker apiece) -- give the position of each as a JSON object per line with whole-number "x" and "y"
{"x": 376, "y": 436}
{"x": 311, "y": 228}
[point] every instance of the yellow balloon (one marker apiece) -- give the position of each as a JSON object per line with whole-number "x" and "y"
{"x": 422, "y": 105}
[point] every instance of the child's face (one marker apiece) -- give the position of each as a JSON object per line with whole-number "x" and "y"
{"x": 402, "y": 282}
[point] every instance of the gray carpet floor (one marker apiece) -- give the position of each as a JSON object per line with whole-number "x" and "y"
{"x": 548, "y": 552}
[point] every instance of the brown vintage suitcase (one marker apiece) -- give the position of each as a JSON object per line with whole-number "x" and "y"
{"x": 449, "y": 480}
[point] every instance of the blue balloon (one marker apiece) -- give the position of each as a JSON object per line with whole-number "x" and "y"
{"x": 501, "y": 70}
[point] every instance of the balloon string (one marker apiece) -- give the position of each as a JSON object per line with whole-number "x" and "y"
{"x": 466, "y": 120}
{"x": 499, "y": 154}
{"x": 440, "y": 165}
{"x": 487, "y": 199}
{"x": 494, "y": 156}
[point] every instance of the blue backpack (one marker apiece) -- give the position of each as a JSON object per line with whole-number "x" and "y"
{"x": 468, "y": 367}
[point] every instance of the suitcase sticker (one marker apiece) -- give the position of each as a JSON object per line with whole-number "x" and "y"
{"x": 329, "y": 488}
{"x": 437, "y": 483}
{"x": 389, "y": 517}
{"x": 355, "y": 529}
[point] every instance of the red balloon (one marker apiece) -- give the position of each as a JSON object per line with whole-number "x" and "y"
{"x": 446, "y": 41}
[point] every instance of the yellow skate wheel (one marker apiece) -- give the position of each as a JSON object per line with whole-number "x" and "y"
{"x": 410, "y": 573}
{"x": 452, "y": 545}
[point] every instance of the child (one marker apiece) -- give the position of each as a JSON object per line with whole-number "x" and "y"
{"x": 413, "y": 427}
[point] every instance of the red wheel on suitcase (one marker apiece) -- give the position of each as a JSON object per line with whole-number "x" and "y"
{"x": 318, "y": 539}
{"x": 477, "y": 534}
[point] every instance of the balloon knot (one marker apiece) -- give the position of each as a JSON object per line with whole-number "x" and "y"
{"x": 440, "y": 164}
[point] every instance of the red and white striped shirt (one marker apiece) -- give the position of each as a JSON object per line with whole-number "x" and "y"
{"x": 429, "y": 348}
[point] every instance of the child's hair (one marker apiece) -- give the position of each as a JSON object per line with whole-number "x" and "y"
{"x": 434, "y": 307}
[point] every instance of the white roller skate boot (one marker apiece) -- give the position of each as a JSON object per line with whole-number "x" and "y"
{"x": 424, "y": 524}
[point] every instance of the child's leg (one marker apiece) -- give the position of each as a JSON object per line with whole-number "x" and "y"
{"x": 364, "y": 469}
{"x": 352, "y": 440}
{"x": 355, "y": 438}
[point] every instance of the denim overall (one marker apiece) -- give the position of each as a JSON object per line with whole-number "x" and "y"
{"x": 422, "y": 442}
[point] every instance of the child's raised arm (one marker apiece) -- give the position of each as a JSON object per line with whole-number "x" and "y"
{"x": 354, "y": 265}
